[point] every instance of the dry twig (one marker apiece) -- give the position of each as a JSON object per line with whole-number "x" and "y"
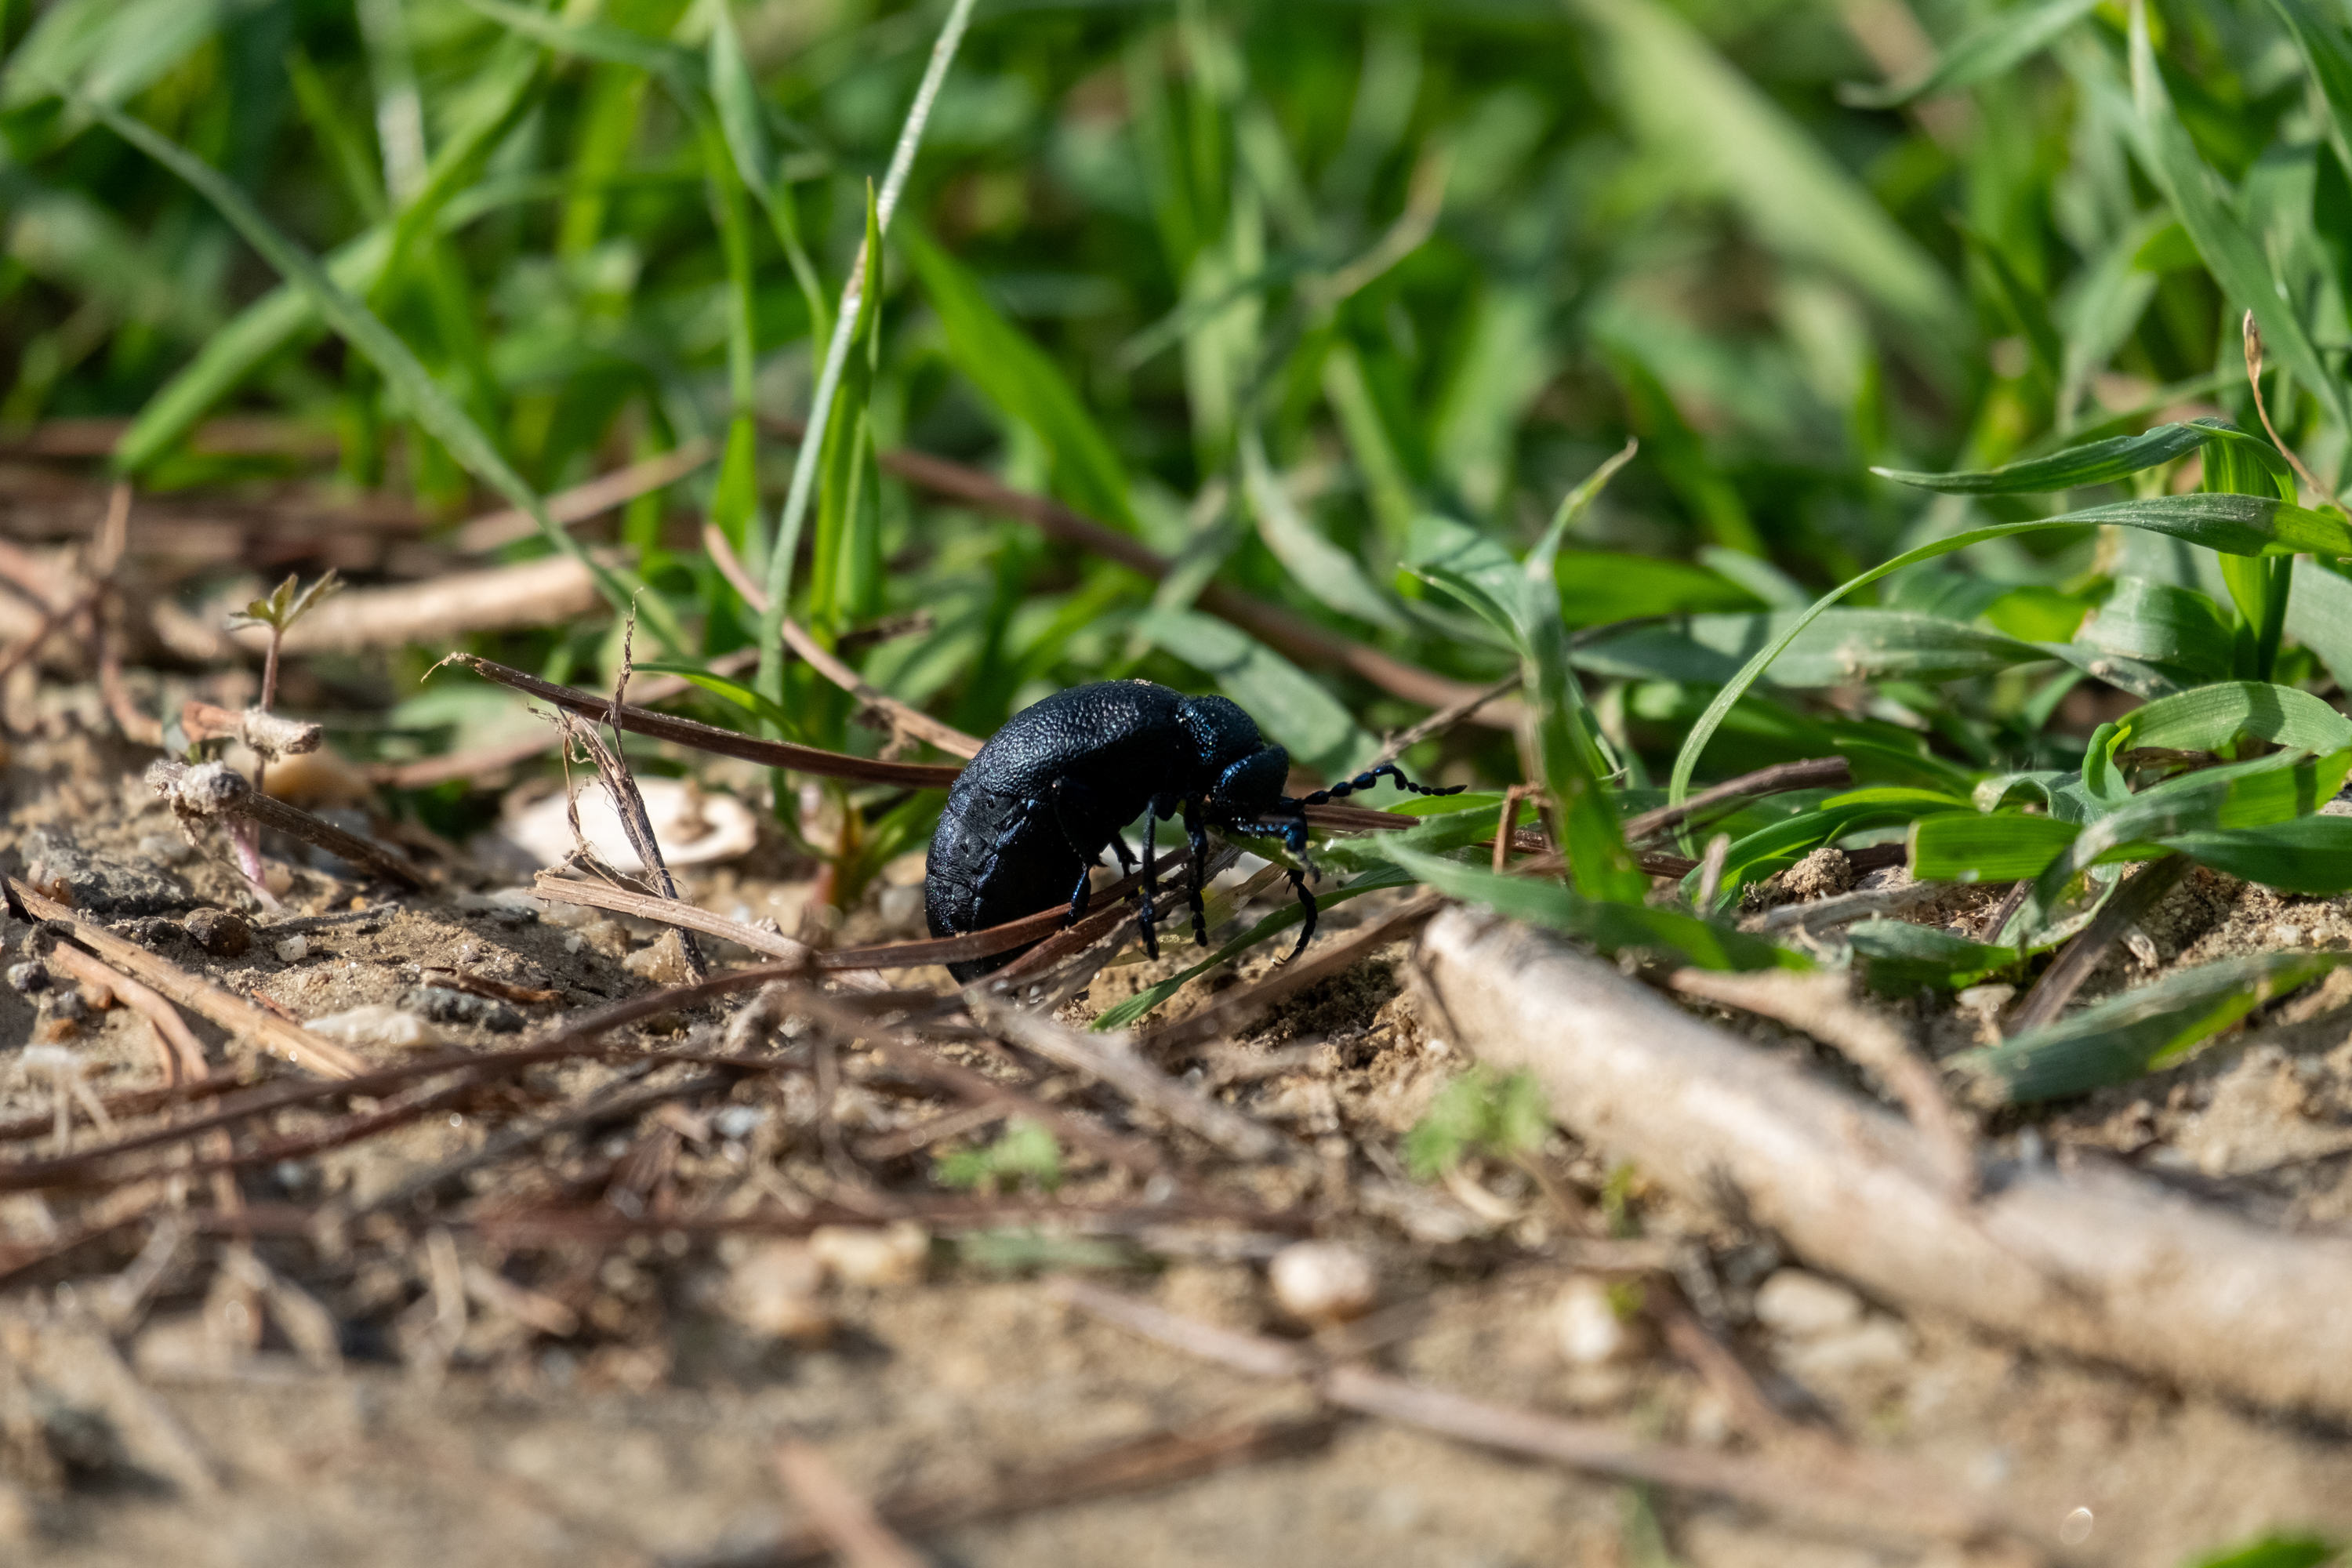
{"x": 2141, "y": 891}
{"x": 840, "y": 1515}
{"x": 215, "y": 791}
{"x": 2095, "y": 1262}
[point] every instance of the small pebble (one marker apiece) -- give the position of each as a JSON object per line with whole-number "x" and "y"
{"x": 224, "y": 935}
{"x": 1322, "y": 1282}
{"x": 293, "y": 950}
{"x": 377, "y": 1024}
{"x": 873, "y": 1257}
{"x": 1586, "y": 1325}
{"x": 27, "y": 978}
{"x": 778, "y": 1289}
{"x": 661, "y": 961}
{"x": 1802, "y": 1305}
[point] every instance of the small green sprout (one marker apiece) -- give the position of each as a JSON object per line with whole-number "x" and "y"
{"x": 1026, "y": 1150}
{"x": 1478, "y": 1113}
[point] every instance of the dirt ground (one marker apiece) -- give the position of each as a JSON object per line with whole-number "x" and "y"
{"x": 587, "y": 1349}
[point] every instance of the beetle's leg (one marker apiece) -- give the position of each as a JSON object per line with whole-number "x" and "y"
{"x": 1079, "y": 896}
{"x": 1122, "y": 854}
{"x": 1198, "y": 834}
{"x": 1372, "y": 776}
{"x": 1150, "y": 874}
{"x": 1294, "y": 837}
{"x": 1306, "y": 926}
{"x": 1066, "y": 808}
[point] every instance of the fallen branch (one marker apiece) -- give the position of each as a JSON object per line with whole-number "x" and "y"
{"x": 1871, "y": 1498}
{"x": 2095, "y": 1262}
{"x": 233, "y": 1013}
{"x": 551, "y": 591}
{"x": 1822, "y": 1006}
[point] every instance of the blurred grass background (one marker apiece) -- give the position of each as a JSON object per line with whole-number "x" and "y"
{"x": 1271, "y": 287}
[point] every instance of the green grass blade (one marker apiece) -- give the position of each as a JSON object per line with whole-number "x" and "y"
{"x": 1291, "y": 706}
{"x": 1610, "y": 926}
{"x": 1990, "y": 49}
{"x": 2309, "y": 855}
{"x": 431, "y": 407}
{"x": 1016, "y": 375}
{"x": 2144, "y": 1029}
{"x": 2230, "y": 253}
{"x": 1996, "y": 846}
{"x": 2241, "y": 525}
{"x": 1318, "y": 566}
{"x": 2099, "y": 463}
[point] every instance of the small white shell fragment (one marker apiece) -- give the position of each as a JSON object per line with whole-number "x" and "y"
{"x": 1806, "y": 1306}
{"x": 691, "y": 826}
{"x": 377, "y": 1024}
{"x": 875, "y": 1258}
{"x": 1321, "y": 1282}
{"x": 293, "y": 950}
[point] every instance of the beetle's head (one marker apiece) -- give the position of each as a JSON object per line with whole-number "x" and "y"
{"x": 1222, "y": 734}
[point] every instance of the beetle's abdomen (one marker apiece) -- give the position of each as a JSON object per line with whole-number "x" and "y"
{"x": 994, "y": 858}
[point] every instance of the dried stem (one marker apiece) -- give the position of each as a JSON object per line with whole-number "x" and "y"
{"x": 2140, "y": 892}
{"x": 842, "y": 1517}
{"x": 2254, "y": 379}
{"x": 216, "y": 791}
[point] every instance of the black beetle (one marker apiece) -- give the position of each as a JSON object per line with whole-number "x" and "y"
{"x": 1031, "y": 816}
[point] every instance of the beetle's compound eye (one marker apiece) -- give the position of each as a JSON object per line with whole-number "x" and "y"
{"x": 1220, "y": 733}
{"x": 1252, "y": 787}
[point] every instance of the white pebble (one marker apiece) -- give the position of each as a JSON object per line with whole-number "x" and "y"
{"x": 1321, "y": 1282}
{"x": 1805, "y": 1306}
{"x": 1585, "y": 1323}
{"x": 293, "y": 950}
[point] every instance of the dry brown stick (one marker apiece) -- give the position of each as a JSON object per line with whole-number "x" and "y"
{"x": 709, "y": 738}
{"x": 215, "y": 790}
{"x": 860, "y": 1537}
{"x": 52, "y": 621}
{"x": 598, "y": 496}
{"x": 233, "y": 1013}
{"x": 1157, "y": 1459}
{"x": 1822, "y": 772}
{"x": 1277, "y": 627}
{"x": 1801, "y": 1484}
{"x": 426, "y": 771}
{"x": 903, "y": 716}
{"x": 552, "y": 591}
{"x": 1112, "y": 1058}
{"x": 183, "y": 1052}
{"x": 2093, "y": 1261}
{"x": 1229, "y": 1010}
{"x": 2140, "y": 892}
{"x": 1823, "y": 1006}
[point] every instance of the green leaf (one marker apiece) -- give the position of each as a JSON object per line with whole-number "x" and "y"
{"x": 1900, "y": 958}
{"x": 2239, "y": 795}
{"x": 1782, "y": 843}
{"x": 733, "y": 690}
{"x": 434, "y": 408}
{"x": 1994, "y": 846}
{"x": 1706, "y": 121}
{"x": 2178, "y": 633}
{"x": 2272, "y": 1551}
{"x": 1016, "y": 376}
{"x": 1025, "y": 1153}
{"x": 2304, "y": 854}
{"x": 2232, "y": 254}
{"x": 2144, "y": 1029}
{"x": 1608, "y": 926}
{"x": 2211, "y": 717}
{"x": 2098, "y": 463}
{"x": 1318, "y": 566}
{"x": 2243, "y": 525}
{"x": 1990, "y": 49}
{"x": 1478, "y": 1112}
{"x": 1839, "y": 647}
{"x": 1597, "y": 587}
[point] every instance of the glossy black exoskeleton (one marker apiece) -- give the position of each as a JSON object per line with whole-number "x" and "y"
{"x": 1031, "y": 816}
